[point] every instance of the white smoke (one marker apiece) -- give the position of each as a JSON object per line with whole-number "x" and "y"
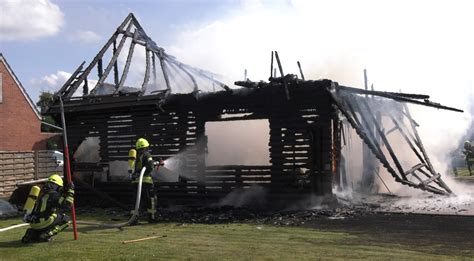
{"x": 415, "y": 47}
{"x": 253, "y": 196}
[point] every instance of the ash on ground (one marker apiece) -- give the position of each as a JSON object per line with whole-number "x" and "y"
{"x": 231, "y": 214}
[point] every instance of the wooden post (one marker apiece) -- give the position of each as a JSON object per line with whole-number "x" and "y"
{"x": 301, "y": 71}
{"x": 36, "y": 164}
{"x": 116, "y": 73}
{"x": 112, "y": 61}
{"x": 271, "y": 68}
{"x": 147, "y": 71}
{"x": 128, "y": 62}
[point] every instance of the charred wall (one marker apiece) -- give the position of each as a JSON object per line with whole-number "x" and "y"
{"x": 301, "y": 136}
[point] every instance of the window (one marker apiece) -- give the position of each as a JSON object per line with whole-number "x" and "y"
{"x": 240, "y": 142}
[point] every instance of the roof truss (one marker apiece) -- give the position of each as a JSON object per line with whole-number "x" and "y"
{"x": 157, "y": 61}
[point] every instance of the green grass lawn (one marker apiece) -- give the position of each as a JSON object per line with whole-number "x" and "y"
{"x": 211, "y": 242}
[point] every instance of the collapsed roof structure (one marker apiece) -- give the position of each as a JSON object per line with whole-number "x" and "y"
{"x": 305, "y": 119}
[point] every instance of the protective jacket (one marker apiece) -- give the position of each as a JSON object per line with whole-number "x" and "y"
{"x": 144, "y": 160}
{"x": 48, "y": 205}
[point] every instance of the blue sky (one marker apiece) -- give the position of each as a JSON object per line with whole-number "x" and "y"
{"x": 423, "y": 46}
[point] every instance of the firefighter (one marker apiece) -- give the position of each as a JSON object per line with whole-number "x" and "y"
{"x": 144, "y": 159}
{"x": 48, "y": 216}
{"x": 469, "y": 152}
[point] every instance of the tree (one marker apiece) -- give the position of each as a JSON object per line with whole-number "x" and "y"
{"x": 45, "y": 99}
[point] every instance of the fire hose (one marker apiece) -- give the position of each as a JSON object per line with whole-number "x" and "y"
{"x": 119, "y": 225}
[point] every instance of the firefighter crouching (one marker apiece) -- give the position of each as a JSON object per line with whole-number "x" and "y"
{"x": 137, "y": 160}
{"x": 45, "y": 210}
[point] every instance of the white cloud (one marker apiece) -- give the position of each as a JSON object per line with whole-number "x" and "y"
{"x": 29, "y": 19}
{"x": 54, "y": 81}
{"x": 86, "y": 37}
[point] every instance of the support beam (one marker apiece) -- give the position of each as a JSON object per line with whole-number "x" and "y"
{"x": 147, "y": 72}
{"x": 154, "y": 68}
{"x": 127, "y": 63}
{"x": 165, "y": 71}
{"x": 116, "y": 70}
{"x": 271, "y": 68}
{"x": 112, "y": 62}
{"x": 285, "y": 84}
{"x": 69, "y": 81}
{"x": 401, "y": 97}
{"x": 381, "y": 157}
{"x": 99, "y": 68}
{"x": 422, "y": 149}
{"x": 74, "y": 87}
{"x": 370, "y": 114}
{"x": 301, "y": 71}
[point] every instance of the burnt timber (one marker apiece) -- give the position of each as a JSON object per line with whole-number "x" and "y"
{"x": 304, "y": 117}
{"x": 300, "y": 137}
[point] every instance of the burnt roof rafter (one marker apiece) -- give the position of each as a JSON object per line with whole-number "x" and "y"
{"x": 131, "y": 30}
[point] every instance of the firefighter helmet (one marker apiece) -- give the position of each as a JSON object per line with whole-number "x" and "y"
{"x": 142, "y": 143}
{"x": 56, "y": 179}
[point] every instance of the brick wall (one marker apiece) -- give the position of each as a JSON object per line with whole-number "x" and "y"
{"x": 19, "y": 125}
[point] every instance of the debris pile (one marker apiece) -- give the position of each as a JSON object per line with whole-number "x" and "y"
{"x": 227, "y": 214}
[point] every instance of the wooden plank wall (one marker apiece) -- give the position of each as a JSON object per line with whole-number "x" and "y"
{"x": 46, "y": 165}
{"x": 15, "y": 166}
{"x": 300, "y": 139}
{"x": 21, "y": 166}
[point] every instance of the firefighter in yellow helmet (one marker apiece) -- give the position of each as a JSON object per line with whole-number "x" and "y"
{"x": 48, "y": 215}
{"x": 144, "y": 159}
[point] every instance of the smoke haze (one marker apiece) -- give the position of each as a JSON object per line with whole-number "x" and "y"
{"x": 415, "y": 47}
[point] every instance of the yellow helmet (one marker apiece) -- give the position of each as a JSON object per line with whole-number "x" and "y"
{"x": 142, "y": 143}
{"x": 56, "y": 179}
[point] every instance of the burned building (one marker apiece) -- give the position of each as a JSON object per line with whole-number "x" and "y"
{"x": 304, "y": 120}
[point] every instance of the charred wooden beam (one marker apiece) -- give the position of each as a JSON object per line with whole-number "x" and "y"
{"x": 164, "y": 69}
{"x": 401, "y": 97}
{"x": 271, "y": 68}
{"x": 301, "y": 71}
{"x": 127, "y": 63}
{"x": 99, "y": 55}
{"x": 370, "y": 114}
{"x": 112, "y": 62}
{"x": 154, "y": 68}
{"x": 85, "y": 89}
{"x": 358, "y": 130}
{"x": 116, "y": 70}
{"x": 69, "y": 81}
{"x": 422, "y": 149}
{"x": 99, "y": 68}
{"x": 285, "y": 84}
{"x": 146, "y": 79}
